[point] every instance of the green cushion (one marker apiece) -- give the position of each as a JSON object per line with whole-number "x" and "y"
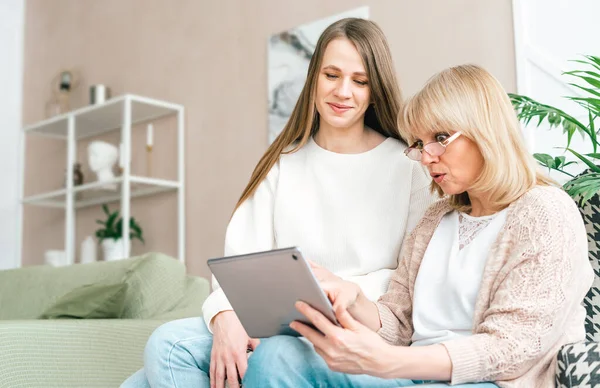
{"x": 196, "y": 291}
{"x": 89, "y": 301}
{"x": 155, "y": 283}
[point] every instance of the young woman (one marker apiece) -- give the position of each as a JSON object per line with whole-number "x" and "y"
{"x": 334, "y": 183}
{"x": 490, "y": 283}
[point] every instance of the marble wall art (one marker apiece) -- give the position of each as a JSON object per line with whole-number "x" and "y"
{"x": 289, "y": 54}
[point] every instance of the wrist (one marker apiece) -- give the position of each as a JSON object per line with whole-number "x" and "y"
{"x": 220, "y": 316}
{"x": 389, "y": 361}
{"x": 362, "y": 303}
{"x": 362, "y": 299}
{"x": 431, "y": 362}
{"x": 356, "y": 308}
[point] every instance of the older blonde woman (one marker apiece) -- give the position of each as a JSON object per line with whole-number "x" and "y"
{"x": 491, "y": 280}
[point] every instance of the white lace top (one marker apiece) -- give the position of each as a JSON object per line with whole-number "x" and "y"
{"x": 450, "y": 275}
{"x": 469, "y": 227}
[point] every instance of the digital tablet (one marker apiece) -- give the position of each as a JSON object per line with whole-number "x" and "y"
{"x": 263, "y": 288}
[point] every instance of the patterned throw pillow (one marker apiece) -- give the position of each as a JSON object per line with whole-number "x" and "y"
{"x": 578, "y": 366}
{"x": 590, "y": 212}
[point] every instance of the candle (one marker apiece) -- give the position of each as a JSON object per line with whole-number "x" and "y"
{"x": 150, "y": 135}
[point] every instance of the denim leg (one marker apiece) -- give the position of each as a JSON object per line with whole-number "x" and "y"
{"x": 285, "y": 361}
{"x": 136, "y": 380}
{"x": 177, "y": 355}
{"x": 469, "y": 385}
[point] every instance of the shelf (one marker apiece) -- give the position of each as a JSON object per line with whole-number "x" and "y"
{"x": 94, "y": 120}
{"x": 95, "y": 193}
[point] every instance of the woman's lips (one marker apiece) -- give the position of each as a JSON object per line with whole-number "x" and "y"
{"x": 339, "y": 108}
{"x": 437, "y": 178}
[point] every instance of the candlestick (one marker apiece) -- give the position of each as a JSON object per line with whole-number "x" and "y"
{"x": 150, "y": 135}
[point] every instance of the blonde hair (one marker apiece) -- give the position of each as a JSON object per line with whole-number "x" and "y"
{"x": 469, "y": 99}
{"x": 371, "y": 44}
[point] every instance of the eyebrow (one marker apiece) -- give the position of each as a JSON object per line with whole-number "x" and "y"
{"x": 335, "y": 68}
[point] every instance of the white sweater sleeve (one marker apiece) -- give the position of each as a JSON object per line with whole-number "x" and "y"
{"x": 376, "y": 283}
{"x": 249, "y": 230}
{"x": 420, "y": 197}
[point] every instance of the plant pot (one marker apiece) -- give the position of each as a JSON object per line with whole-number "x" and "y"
{"x": 114, "y": 249}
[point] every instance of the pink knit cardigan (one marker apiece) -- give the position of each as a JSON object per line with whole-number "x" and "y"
{"x": 530, "y": 300}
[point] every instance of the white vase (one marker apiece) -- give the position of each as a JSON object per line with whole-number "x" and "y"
{"x": 114, "y": 249}
{"x": 55, "y": 258}
{"x": 88, "y": 250}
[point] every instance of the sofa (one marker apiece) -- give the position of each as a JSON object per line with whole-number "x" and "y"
{"x": 45, "y": 340}
{"x": 578, "y": 364}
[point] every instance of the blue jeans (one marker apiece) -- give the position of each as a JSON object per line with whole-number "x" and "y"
{"x": 178, "y": 355}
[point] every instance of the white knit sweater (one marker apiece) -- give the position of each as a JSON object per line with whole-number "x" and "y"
{"x": 346, "y": 212}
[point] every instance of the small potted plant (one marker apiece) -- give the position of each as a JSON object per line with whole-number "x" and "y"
{"x": 111, "y": 233}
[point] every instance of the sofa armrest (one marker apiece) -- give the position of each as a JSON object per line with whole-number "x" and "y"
{"x": 578, "y": 365}
{"x": 71, "y": 353}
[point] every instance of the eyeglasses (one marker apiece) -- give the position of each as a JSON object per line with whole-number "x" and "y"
{"x": 435, "y": 148}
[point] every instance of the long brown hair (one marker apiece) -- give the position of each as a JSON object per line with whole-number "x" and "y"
{"x": 381, "y": 115}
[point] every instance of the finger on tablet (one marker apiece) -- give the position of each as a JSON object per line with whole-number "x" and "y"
{"x": 313, "y": 264}
{"x": 321, "y": 322}
{"x": 309, "y": 333}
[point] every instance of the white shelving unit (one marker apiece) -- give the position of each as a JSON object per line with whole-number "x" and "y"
{"x": 119, "y": 113}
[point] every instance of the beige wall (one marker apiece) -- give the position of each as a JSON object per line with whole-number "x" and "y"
{"x": 211, "y": 57}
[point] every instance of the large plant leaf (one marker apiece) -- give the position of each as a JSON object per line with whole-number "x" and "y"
{"x": 561, "y": 161}
{"x": 585, "y": 186}
{"x": 584, "y": 178}
{"x": 590, "y": 61}
{"x": 577, "y": 73}
{"x": 593, "y": 61}
{"x": 591, "y": 91}
{"x": 570, "y": 130}
{"x": 585, "y": 160}
{"x": 553, "y": 163}
{"x": 593, "y": 130}
{"x": 545, "y": 160}
{"x": 592, "y": 81}
{"x": 528, "y": 109}
{"x": 588, "y": 103}
{"x": 585, "y": 63}
{"x": 587, "y": 80}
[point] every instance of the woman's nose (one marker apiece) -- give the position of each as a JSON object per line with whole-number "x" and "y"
{"x": 427, "y": 159}
{"x": 343, "y": 90}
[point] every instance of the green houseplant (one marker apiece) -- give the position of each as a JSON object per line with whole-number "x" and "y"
{"x": 111, "y": 233}
{"x": 586, "y": 79}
